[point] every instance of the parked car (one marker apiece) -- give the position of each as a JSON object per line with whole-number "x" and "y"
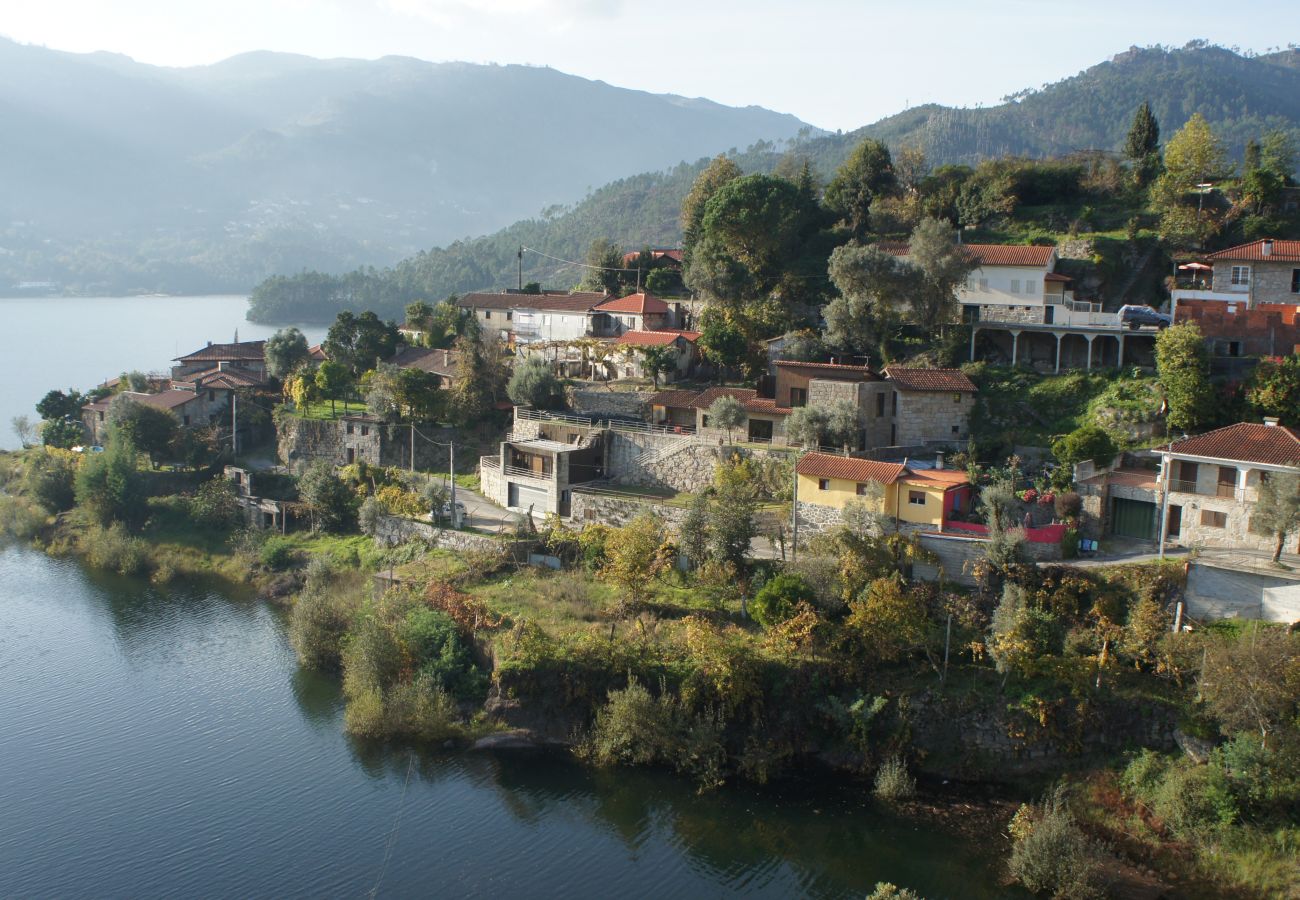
{"x": 1136, "y": 316}
{"x": 445, "y": 512}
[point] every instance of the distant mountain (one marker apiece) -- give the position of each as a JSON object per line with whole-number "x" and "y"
{"x": 1242, "y": 96}
{"x": 119, "y": 175}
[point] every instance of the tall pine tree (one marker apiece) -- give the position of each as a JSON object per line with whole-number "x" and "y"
{"x": 1142, "y": 145}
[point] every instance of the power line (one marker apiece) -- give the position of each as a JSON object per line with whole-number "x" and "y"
{"x": 576, "y": 263}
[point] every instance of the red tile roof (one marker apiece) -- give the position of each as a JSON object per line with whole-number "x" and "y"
{"x": 317, "y": 352}
{"x": 1245, "y": 442}
{"x": 659, "y": 338}
{"x": 989, "y": 254}
{"x": 220, "y": 352}
{"x": 950, "y": 478}
{"x": 828, "y": 370}
{"x": 1056, "y": 276}
{"x": 655, "y": 253}
{"x": 578, "y": 301}
{"x": 826, "y": 465}
{"x": 221, "y": 378}
{"x": 439, "y": 362}
{"x": 1282, "y": 251}
{"x": 748, "y": 398}
{"x": 640, "y": 304}
{"x": 930, "y": 379}
{"x": 674, "y": 399}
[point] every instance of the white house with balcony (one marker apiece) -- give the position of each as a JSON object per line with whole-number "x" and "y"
{"x": 1211, "y": 483}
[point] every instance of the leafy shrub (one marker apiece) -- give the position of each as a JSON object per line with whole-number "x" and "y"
{"x": 114, "y": 549}
{"x": 886, "y": 891}
{"x": 633, "y": 728}
{"x": 50, "y": 480}
{"x": 1193, "y": 799}
{"x": 19, "y": 517}
{"x": 1088, "y": 442}
{"x": 1068, "y": 505}
{"x": 368, "y": 515}
{"x": 776, "y": 601}
{"x": 422, "y": 709}
{"x": 437, "y": 651}
{"x": 401, "y": 502}
{"x": 276, "y": 554}
{"x": 215, "y": 504}
{"x": 893, "y": 783}
{"x": 1051, "y": 854}
{"x": 319, "y": 621}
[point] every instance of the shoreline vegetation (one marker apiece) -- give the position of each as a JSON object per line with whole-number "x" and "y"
{"x": 620, "y": 658}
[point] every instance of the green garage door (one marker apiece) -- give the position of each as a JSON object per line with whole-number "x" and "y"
{"x": 1134, "y": 519}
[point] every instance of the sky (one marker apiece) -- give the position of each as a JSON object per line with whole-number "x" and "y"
{"x": 837, "y": 64}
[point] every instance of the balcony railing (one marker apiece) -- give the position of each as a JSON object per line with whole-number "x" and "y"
{"x": 1226, "y": 491}
{"x": 517, "y": 472}
{"x": 489, "y": 462}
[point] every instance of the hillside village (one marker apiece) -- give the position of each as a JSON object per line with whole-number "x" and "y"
{"x": 832, "y": 428}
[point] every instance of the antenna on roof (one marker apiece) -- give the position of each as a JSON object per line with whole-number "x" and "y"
{"x": 236, "y": 335}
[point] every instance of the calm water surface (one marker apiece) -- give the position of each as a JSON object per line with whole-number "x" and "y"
{"x": 163, "y": 743}
{"x": 62, "y": 342}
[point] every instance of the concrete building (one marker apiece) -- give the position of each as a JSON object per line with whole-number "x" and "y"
{"x": 914, "y": 499}
{"x": 1213, "y": 480}
{"x": 629, "y": 361}
{"x": 1235, "y": 328}
{"x": 540, "y": 460}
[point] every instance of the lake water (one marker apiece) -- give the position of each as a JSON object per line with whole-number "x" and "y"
{"x": 62, "y": 342}
{"x": 164, "y": 743}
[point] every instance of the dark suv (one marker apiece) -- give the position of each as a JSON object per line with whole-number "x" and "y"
{"x": 1136, "y": 316}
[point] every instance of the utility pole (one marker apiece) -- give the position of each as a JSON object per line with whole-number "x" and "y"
{"x": 794, "y": 514}
{"x": 520, "y": 256}
{"x": 451, "y": 465}
{"x": 412, "y": 448}
{"x": 234, "y": 424}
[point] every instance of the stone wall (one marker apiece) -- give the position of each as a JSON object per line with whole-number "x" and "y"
{"x": 814, "y": 518}
{"x": 618, "y": 511}
{"x": 1236, "y": 532}
{"x": 926, "y": 416}
{"x": 599, "y": 404}
{"x": 688, "y": 467}
{"x": 1075, "y": 248}
{"x": 997, "y": 313}
{"x": 393, "y": 530}
{"x": 304, "y": 441}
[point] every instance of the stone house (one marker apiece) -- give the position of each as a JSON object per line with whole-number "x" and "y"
{"x": 684, "y": 343}
{"x": 913, "y": 498}
{"x": 1263, "y": 271}
{"x": 517, "y": 317}
{"x": 635, "y": 312}
{"x": 928, "y": 406}
{"x": 1212, "y": 483}
{"x": 1237, "y": 328}
{"x": 246, "y": 356}
{"x": 442, "y": 363}
{"x": 191, "y": 409}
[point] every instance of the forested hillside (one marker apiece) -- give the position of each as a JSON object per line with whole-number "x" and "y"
{"x": 122, "y": 176}
{"x": 1243, "y": 98}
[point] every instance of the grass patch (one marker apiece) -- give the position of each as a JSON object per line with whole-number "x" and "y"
{"x": 323, "y": 411}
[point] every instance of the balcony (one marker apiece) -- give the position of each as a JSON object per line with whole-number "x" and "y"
{"x": 533, "y": 475}
{"x": 1225, "y": 491}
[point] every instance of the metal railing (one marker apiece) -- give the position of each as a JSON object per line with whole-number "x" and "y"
{"x": 517, "y": 472}
{"x": 537, "y": 415}
{"x": 1226, "y": 491}
{"x": 658, "y": 454}
{"x": 489, "y": 462}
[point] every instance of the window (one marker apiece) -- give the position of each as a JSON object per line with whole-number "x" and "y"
{"x": 1031, "y": 287}
{"x": 365, "y": 430}
{"x": 984, "y": 285}
{"x": 916, "y": 498}
{"x": 864, "y": 490}
{"x": 880, "y": 405}
{"x": 704, "y": 421}
{"x": 1212, "y": 519}
{"x": 212, "y": 395}
{"x": 955, "y": 429}
{"x": 1015, "y": 285}
{"x": 823, "y": 484}
{"x": 1295, "y": 281}
{"x": 798, "y": 396}
{"x": 487, "y": 314}
{"x": 185, "y": 420}
{"x": 349, "y": 428}
{"x": 510, "y": 314}
{"x": 956, "y": 397}
{"x": 1241, "y": 276}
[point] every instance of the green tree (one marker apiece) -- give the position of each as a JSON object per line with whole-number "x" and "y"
{"x": 360, "y": 342}
{"x": 108, "y": 485}
{"x": 604, "y": 260}
{"x": 1183, "y": 369}
{"x": 1195, "y": 154}
{"x": 60, "y": 405}
{"x": 939, "y": 267}
{"x": 808, "y": 426}
{"x": 419, "y": 315}
{"x": 870, "y": 282}
{"x": 1277, "y": 511}
{"x": 888, "y": 620}
{"x": 285, "y": 351}
{"x": 1142, "y": 145}
{"x": 1275, "y": 389}
{"x": 480, "y": 375}
{"x": 1084, "y": 443}
{"x": 1249, "y": 681}
{"x": 148, "y": 429}
{"x": 333, "y": 381}
{"x": 634, "y": 556}
{"x": 658, "y": 361}
{"x": 62, "y": 433}
{"x": 726, "y": 412}
{"x": 331, "y": 503}
{"x": 419, "y": 394}
{"x": 779, "y": 598}
{"x": 868, "y": 173}
{"x": 718, "y": 173}
{"x": 732, "y": 504}
{"x": 534, "y": 383}
{"x": 723, "y": 344}
{"x": 1277, "y": 154}
{"x": 24, "y": 430}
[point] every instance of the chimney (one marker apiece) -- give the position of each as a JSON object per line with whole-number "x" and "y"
{"x": 209, "y": 343}
{"x": 1270, "y": 421}
{"x": 938, "y": 460}
{"x": 1268, "y": 247}
{"x": 446, "y": 357}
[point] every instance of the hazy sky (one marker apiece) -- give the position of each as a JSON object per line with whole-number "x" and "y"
{"x": 834, "y": 63}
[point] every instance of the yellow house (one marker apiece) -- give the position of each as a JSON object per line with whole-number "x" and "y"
{"x": 915, "y": 496}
